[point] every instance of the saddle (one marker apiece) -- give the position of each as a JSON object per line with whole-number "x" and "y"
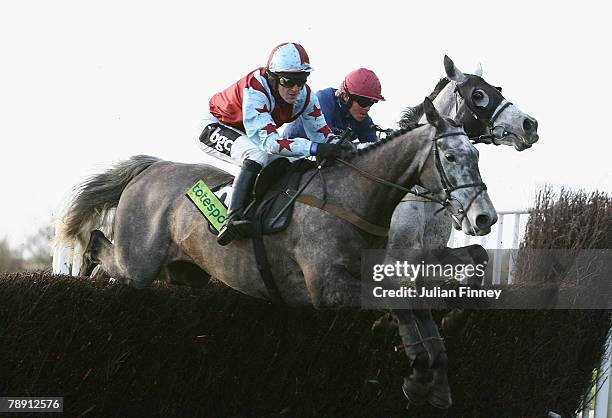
{"x": 275, "y": 196}
{"x": 276, "y": 185}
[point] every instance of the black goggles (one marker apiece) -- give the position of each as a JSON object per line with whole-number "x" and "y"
{"x": 364, "y": 101}
{"x": 291, "y": 81}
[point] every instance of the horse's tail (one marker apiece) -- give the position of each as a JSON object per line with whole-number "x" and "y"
{"x": 95, "y": 200}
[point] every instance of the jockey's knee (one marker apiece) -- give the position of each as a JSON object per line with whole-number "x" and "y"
{"x": 245, "y": 149}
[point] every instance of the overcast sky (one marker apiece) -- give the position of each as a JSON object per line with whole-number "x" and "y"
{"x": 84, "y": 84}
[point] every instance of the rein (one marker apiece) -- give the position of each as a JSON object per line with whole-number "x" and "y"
{"x": 384, "y": 182}
{"x": 447, "y": 187}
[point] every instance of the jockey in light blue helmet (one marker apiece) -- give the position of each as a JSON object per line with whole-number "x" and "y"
{"x": 252, "y": 109}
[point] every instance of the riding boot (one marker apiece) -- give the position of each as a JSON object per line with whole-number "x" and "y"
{"x": 234, "y": 226}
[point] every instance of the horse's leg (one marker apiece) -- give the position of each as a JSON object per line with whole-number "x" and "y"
{"x": 132, "y": 264}
{"x": 415, "y": 386}
{"x": 334, "y": 288}
{"x": 427, "y": 354}
{"x": 385, "y": 327}
{"x": 87, "y": 267}
{"x": 185, "y": 273}
{"x": 408, "y": 226}
{"x": 455, "y": 320}
{"x": 91, "y": 258}
{"x": 99, "y": 275}
{"x": 439, "y": 394}
{"x": 99, "y": 253}
{"x": 412, "y": 227}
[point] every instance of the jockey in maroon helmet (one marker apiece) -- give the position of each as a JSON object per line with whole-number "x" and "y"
{"x": 348, "y": 106}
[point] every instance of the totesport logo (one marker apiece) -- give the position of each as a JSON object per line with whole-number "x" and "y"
{"x": 208, "y": 204}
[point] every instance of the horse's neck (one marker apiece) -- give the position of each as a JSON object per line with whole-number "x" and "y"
{"x": 398, "y": 161}
{"x": 445, "y": 102}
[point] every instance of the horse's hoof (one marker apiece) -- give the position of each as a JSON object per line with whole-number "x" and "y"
{"x": 415, "y": 392}
{"x": 440, "y": 397}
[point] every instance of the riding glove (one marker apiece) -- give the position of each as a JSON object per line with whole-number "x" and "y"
{"x": 332, "y": 151}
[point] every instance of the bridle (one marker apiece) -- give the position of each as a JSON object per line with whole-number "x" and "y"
{"x": 459, "y": 213}
{"x": 495, "y": 132}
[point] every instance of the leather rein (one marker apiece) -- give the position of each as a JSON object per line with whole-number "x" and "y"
{"x": 447, "y": 186}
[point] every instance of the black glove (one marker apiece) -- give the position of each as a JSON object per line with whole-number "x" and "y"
{"x": 332, "y": 151}
{"x": 348, "y": 146}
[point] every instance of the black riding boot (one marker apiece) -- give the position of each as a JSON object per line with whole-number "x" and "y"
{"x": 236, "y": 227}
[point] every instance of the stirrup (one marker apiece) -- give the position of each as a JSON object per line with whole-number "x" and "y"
{"x": 240, "y": 228}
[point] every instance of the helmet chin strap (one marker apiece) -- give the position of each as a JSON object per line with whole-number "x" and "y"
{"x": 347, "y": 94}
{"x": 272, "y": 81}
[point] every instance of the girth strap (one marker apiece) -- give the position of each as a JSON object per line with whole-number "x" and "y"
{"x": 263, "y": 265}
{"x": 342, "y": 213}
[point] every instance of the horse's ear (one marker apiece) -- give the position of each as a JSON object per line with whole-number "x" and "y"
{"x": 478, "y": 70}
{"x": 433, "y": 117}
{"x": 452, "y": 71}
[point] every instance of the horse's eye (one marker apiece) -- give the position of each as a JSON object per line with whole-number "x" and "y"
{"x": 450, "y": 157}
{"x": 480, "y": 98}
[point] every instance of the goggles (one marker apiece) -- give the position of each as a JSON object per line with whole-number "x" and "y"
{"x": 364, "y": 101}
{"x": 290, "y": 81}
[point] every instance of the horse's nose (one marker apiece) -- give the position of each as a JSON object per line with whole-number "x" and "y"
{"x": 483, "y": 221}
{"x": 530, "y": 126}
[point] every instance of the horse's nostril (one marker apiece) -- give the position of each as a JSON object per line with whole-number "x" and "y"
{"x": 483, "y": 221}
{"x": 530, "y": 125}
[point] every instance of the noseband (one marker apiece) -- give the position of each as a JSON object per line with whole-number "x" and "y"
{"x": 447, "y": 187}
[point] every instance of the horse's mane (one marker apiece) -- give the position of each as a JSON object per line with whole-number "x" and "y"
{"x": 399, "y": 132}
{"x": 388, "y": 138}
{"x": 412, "y": 115}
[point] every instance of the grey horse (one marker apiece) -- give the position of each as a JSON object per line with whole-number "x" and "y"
{"x": 419, "y": 224}
{"x": 317, "y": 259}
{"x": 487, "y": 118}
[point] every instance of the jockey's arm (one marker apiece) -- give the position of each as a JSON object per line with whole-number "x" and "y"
{"x": 314, "y": 123}
{"x": 261, "y": 129}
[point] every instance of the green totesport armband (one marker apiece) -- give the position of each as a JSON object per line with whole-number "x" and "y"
{"x": 208, "y": 203}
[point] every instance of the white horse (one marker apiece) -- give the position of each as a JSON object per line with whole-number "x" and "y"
{"x": 419, "y": 224}
{"x": 487, "y": 117}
